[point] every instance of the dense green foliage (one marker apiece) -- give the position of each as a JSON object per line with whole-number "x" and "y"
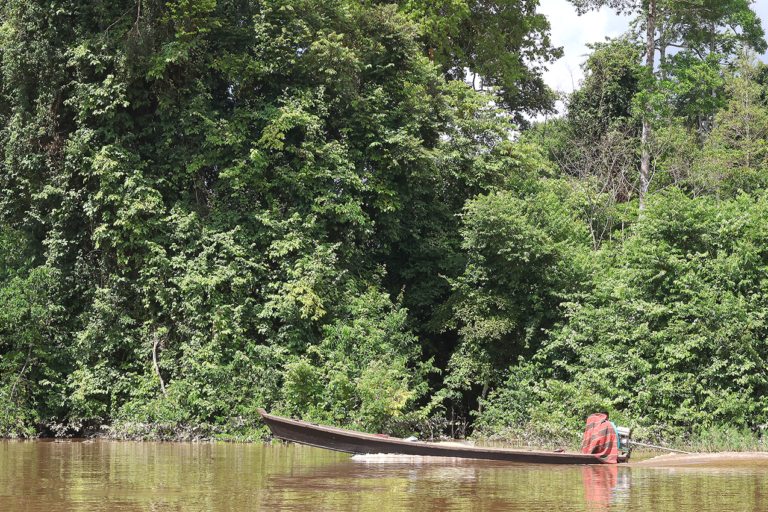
{"x": 204, "y": 194}
{"x": 670, "y": 331}
{"x": 207, "y": 208}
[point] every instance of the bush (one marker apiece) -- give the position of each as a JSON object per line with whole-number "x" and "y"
{"x": 365, "y": 372}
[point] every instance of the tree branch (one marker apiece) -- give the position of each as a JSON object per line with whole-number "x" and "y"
{"x": 13, "y": 389}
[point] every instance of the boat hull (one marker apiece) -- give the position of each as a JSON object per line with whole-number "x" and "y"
{"x": 350, "y": 441}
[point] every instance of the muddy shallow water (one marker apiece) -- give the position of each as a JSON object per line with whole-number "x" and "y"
{"x": 127, "y": 476}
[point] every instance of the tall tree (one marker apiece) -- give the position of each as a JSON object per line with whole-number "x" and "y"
{"x": 728, "y": 23}
{"x": 596, "y": 142}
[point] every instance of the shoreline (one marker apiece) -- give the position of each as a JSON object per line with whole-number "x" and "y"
{"x": 239, "y": 430}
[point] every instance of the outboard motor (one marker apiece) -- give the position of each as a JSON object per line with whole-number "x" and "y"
{"x": 625, "y": 436}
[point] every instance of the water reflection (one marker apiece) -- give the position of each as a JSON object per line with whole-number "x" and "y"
{"x": 599, "y": 483}
{"x": 45, "y": 476}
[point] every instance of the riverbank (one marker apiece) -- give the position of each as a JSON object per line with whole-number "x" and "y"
{"x": 241, "y": 430}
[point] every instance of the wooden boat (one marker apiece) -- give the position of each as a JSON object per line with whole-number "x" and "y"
{"x": 350, "y": 441}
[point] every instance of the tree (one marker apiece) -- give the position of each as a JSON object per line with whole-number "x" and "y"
{"x": 596, "y": 142}
{"x": 736, "y": 152}
{"x": 521, "y": 254}
{"x": 504, "y": 45}
{"x": 31, "y": 362}
{"x": 612, "y": 79}
{"x": 690, "y": 19}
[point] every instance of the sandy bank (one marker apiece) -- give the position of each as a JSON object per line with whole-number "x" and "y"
{"x": 725, "y": 460}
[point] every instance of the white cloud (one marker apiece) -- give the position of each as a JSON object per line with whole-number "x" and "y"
{"x": 573, "y": 33}
{"x": 761, "y": 8}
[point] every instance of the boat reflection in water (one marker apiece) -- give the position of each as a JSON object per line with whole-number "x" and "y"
{"x": 604, "y": 486}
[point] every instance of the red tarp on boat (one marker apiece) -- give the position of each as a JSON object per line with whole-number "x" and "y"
{"x": 600, "y": 439}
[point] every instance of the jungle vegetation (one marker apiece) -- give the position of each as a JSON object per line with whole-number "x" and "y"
{"x": 352, "y": 212}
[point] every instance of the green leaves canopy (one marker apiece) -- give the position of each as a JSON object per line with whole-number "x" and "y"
{"x": 214, "y": 183}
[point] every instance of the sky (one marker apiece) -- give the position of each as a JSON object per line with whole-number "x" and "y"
{"x": 573, "y": 32}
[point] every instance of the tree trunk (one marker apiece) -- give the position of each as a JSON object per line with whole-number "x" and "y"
{"x": 485, "y": 392}
{"x": 157, "y": 369}
{"x": 645, "y": 158}
{"x": 662, "y": 48}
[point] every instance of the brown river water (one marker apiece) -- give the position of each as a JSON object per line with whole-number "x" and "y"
{"x": 48, "y": 476}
